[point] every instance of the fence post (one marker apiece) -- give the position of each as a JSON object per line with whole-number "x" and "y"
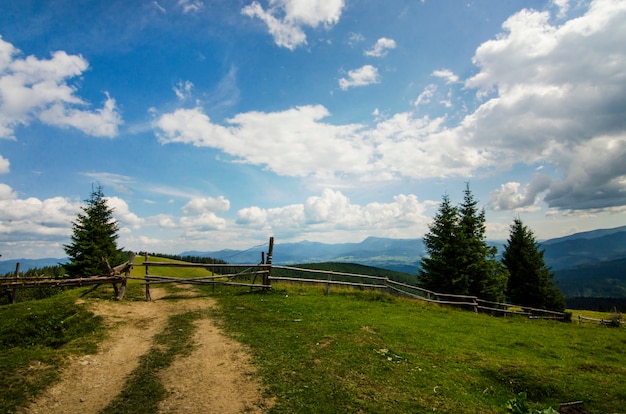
{"x": 15, "y": 277}
{"x": 131, "y": 261}
{"x": 328, "y": 284}
{"x": 268, "y": 261}
{"x": 146, "y": 278}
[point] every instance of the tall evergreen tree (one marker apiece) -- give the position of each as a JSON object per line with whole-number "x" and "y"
{"x": 486, "y": 277}
{"x": 94, "y": 238}
{"x": 458, "y": 259}
{"x": 438, "y": 269}
{"x": 530, "y": 281}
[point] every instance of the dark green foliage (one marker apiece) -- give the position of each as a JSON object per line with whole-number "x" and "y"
{"x": 438, "y": 269}
{"x": 94, "y": 239}
{"x": 530, "y": 281}
{"x": 458, "y": 259}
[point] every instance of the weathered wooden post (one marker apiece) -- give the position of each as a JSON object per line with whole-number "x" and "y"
{"x": 131, "y": 261}
{"x": 146, "y": 278}
{"x": 268, "y": 261}
{"x": 15, "y": 277}
{"x": 328, "y": 284}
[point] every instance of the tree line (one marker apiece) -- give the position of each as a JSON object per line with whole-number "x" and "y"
{"x": 459, "y": 261}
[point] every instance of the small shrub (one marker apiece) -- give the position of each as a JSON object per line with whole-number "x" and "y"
{"x": 518, "y": 405}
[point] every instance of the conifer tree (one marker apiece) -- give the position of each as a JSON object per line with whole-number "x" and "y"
{"x": 438, "y": 269}
{"x": 94, "y": 238}
{"x": 458, "y": 259}
{"x": 530, "y": 282}
{"x": 485, "y": 275}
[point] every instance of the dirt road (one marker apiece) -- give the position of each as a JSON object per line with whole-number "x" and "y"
{"x": 216, "y": 378}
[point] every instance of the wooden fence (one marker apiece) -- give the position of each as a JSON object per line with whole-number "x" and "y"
{"x": 330, "y": 278}
{"x": 118, "y": 274}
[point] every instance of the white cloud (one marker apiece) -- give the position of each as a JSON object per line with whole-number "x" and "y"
{"x": 293, "y": 15}
{"x": 122, "y": 213}
{"x": 33, "y": 222}
{"x": 509, "y": 197}
{"x": 4, "y": 165}
{"x": 381, "y": 47}
{"x": 354, "y": 38}
{"x": 190, "y": 6}
{"x": 560, "y": 98}
{"x": 446, "y": 75}
{"x": 426, "y": 95}
{"x": 183, "y": 90}
{"x": 256, "y": 138}
{"x": 332, "y": 210}
{"x": 201, "y": 205}
{"x": 562, "y": 6}
{"x": 363, "y": 76}
{"x": 32, "y": 88}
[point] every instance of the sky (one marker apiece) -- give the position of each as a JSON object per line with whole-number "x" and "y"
{"x": 214, "y": 124}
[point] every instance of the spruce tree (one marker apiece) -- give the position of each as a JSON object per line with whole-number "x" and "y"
{"x": 94, "y": 239}
{"x": 486, "y": 277}
{"x": 530, "y": 282}
{"x": 438, "y": 269}
{"x": 458, "y": 259}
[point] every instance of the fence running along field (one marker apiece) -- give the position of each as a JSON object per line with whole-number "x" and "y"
{"x": 118, "y": 274}
{"x": 330, "y": 278}
{"x": 262, "y": 275}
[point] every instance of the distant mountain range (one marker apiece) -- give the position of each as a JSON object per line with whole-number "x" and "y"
{"x": 591, "y": 263}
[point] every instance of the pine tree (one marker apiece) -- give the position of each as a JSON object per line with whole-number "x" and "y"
{"x": 530, "y": 282}
{"x": 458, "y": 259}
{"x": 438, "y": 269}
{"x": 486, "y": 277}
{"x": 94, "y": 238}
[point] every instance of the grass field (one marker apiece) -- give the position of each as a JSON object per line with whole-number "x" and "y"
{"x": 349, "y": 351}
{"x": 354, "y": 351}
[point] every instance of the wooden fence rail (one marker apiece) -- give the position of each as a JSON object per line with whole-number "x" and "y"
{"x": 118, "y": 274}
{"x": 415, "y": 292}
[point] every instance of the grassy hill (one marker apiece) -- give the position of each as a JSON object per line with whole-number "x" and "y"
{"x": 353, "y": 351}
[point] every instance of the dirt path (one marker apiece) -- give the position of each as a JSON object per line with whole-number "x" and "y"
{"x": 216, "y": 377}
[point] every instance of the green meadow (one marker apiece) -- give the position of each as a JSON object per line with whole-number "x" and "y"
{"x": 347, "y": 351}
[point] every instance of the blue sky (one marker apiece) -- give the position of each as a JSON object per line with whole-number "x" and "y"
{"x": 216, "y": 124}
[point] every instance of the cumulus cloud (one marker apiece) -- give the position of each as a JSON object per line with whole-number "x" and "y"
{"x": 509, "y": 196}
{"x": 256, "y": 138}
{"x": 122, "y": 213}
{"x": 31, "y": 220}
{"x": 333, "y": 210}
{"x": 362, "y": 76}
{"x": 39, "y": 89}
{"x": 446, "y": 75}
{"x": 381, "y": 47}
{"x": 4, "y": 165}
{"x": 285, "y": 19}
{"x": 201, "y": 205}
{"x": 560, "y": 97}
